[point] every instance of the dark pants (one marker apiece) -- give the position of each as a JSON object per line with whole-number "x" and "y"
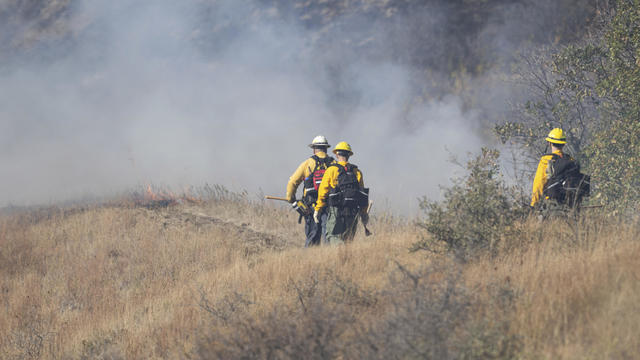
{"x": 314, "y": 232}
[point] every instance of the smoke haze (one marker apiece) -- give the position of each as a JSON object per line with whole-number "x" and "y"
{"x": 186, "y": 93}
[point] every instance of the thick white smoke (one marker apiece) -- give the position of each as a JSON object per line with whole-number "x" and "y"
{"x": 137, "y": 100}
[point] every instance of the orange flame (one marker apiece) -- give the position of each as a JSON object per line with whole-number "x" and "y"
{"x": 150, "y": 194}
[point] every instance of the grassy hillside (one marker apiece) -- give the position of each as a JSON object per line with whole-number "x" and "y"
{"x": 228, "y": 278}
{"x": 225, "y": 276}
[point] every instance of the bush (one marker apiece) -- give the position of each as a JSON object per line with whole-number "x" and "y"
{"x": 427, "y": 313}
{"x": 476, "y": 212}
{"x": 313, "y": 327}
{"x": 434, "y": 315}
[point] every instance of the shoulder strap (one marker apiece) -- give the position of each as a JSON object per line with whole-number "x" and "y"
{"x": 341, "y": 169}
{"x": 348, "y": 167}
{"x": 565, "y": 156}
{"x": 328, "y": 160}
{"x": 318, "y": 161}
{"x": 564, "y": 166}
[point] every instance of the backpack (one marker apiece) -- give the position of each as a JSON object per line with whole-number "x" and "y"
{"x": 312, "y": 182}
{"x": 567, "y": 185}
{"x": 348, "y": 194}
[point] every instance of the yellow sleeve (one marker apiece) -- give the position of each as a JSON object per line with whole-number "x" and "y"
{"x": 539, "y": 180}
{"x": 295, "y": 180}
{"x": 325, "y": 186}
{"x": 360, "y": 179}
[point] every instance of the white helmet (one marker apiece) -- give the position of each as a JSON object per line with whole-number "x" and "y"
{"x": 319, "y": 141}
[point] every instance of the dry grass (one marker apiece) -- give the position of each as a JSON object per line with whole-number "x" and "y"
{"x": 193, "y": 281}
{"x": 578, "y": 285}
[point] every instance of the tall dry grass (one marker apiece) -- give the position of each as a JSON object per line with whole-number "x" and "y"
{"x": 577, "y": 284}
{"x": 229, "y": 279}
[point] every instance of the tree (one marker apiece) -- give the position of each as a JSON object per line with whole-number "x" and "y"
{"x": 592, "y": 90}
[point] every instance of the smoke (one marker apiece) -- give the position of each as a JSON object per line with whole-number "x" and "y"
{"x": 189, "y": 92}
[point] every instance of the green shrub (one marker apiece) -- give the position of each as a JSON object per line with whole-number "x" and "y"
{"x": 475, "y": 213}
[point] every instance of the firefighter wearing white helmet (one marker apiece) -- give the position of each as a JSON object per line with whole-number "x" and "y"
{"x": 310, "y": 172}
{"x": 342, "y": 191}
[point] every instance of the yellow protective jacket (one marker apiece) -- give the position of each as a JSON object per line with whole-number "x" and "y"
{"x": 330, "y": 181}
{"x": 305, "y": 169}
{"x": 543, "y": 173}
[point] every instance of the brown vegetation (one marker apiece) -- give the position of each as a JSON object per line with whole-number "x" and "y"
{"x": 229, "y": 279}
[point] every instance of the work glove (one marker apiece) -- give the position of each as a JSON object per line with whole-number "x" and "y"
{"x": 316, "y": 217}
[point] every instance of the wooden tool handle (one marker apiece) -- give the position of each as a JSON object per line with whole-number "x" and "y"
{"x": 276, "y": 198}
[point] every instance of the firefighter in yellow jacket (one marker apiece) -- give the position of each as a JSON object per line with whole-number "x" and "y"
{"x": 342, "y": 192}
{"x": 556, "y": 139}
{"x": 310, "y": 173}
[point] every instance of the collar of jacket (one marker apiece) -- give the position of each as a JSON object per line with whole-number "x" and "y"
{"x": 321, "y": 154}
{"x": 343, "y": 163}
{"x": 558, "y": 152}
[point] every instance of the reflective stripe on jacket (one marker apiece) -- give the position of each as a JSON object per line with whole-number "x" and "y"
{"x": 330, "y": 181}
{"x": 543, "y": 173}
{"x": 304, "y": 170}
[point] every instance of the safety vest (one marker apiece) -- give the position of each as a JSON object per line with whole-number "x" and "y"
{"x": 312, "y": 182}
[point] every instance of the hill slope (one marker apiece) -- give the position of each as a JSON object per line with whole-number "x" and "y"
{"x": 230, "y": 279}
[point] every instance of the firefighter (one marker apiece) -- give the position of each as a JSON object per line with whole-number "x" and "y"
{"x": 342, "y": 192}
{"x": 557, "y": 140}
{"x": 310, "y": 173}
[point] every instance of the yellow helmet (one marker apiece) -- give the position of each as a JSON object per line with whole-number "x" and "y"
{"x": 342, "y": 145}
{"x": 556, "y": 136}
